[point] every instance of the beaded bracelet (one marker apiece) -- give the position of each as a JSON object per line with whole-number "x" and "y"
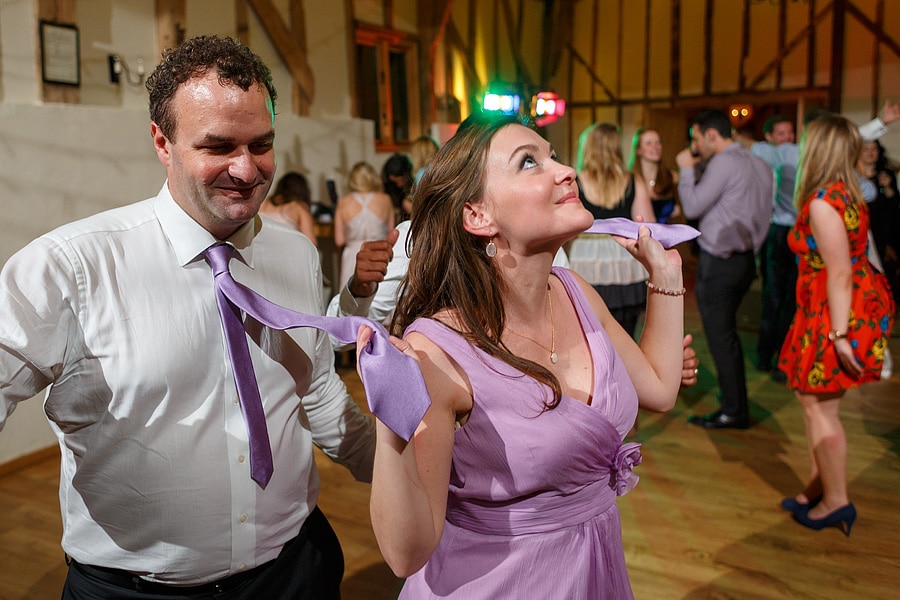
{"x": 664, "y": 291}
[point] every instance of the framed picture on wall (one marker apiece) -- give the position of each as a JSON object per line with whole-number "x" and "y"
{"x": 60, "y": 58}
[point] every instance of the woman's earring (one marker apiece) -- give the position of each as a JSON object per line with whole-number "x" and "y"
{"x": 491, "y": 249}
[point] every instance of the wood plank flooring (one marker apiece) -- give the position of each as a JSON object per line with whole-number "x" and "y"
{"x": 703, "y": 522}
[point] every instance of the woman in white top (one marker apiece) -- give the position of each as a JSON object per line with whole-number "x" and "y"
{"x": 365, "y": 214}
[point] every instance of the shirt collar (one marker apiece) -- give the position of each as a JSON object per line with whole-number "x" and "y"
{"x": 189, "y": 239}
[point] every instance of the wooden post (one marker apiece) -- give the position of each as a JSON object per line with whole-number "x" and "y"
{"x": 838, "y": 26}
{"x": 64, "y": 12}
{"x": 170, "y": 24}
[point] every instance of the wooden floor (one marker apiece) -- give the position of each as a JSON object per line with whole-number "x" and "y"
{"x": 703, "y": 522}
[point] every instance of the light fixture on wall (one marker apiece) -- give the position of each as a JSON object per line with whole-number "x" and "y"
{"x": 118, "y": 67}
{"x": 502, "y": 98}
{"x": 547, "y": 107}
{"x": 740, "y": 114}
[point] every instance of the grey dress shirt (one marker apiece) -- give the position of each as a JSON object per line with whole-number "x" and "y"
{"x": 733, "y": 201}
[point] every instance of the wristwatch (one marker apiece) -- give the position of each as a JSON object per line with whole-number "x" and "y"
{"x": 835, "y": 335}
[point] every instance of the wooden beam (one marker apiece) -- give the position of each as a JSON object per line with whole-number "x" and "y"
{"x": 290, "y": 52}
{"x": 242, "y": 21}
{"x": 811, "y": 47}
{"x": 353, "y": 80}
{"x": 789, "y": 47}
{"x": 620, "y": 52}
{"x": 820, "y": 94}
{"x": 782, "y": 33}
{"x": 64, "y": 12}
{"x": 432, "y": 21}
{"x": 874, "y": 27}
{"x": 675, "y": 58}
{"x": 876, "y": 60}
{"x": 170, "y": 24}
{"x": 838, "y": 36}
{"x": 707, "y": 47}
{"x": 594, "y": 77}
{"x": 745, "y": 47}
{"x": 595, "y": 36}
{"x": 468, "y": 63}
{"x": 299, "y": 100}
{"x": 647, "y": 22}
{"x": 515, "y": 44}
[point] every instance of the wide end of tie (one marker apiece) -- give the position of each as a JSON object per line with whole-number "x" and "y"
{"x": 395, "y": 388}
{"x": 262, "y": 476}
{"x": 667, "y": 234}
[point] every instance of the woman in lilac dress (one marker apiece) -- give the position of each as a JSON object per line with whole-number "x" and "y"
{"x": 507, "y": 489}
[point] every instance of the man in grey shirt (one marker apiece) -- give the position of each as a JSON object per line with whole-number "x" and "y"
{"x": 733, "y": 202}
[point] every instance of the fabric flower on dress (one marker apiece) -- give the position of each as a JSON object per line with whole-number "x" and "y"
{"x": 621, "y": 477}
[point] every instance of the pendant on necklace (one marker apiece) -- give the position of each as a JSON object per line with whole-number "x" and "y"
{"x": 553, "y": 357}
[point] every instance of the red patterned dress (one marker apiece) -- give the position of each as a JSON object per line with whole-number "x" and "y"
{"x": 808, "y": 356}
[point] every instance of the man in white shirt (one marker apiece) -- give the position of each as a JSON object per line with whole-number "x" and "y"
{"x": 117, "y": 314}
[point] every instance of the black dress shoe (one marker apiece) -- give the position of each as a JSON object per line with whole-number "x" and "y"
{"x": 719, "y": 420}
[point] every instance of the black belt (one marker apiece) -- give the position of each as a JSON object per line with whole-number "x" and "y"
{"x": 130, "y": 581}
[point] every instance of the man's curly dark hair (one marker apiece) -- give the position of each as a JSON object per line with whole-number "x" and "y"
{"x": 234, "y": 62}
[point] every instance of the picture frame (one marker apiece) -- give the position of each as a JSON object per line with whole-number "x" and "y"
{"x": 60, "y": 54}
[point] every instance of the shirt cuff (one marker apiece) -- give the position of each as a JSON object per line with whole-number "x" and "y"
{"x": 872, "y": 130}
{"x": 351, "y": 305}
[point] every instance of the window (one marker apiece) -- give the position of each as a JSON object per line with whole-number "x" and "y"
{"x": 387, "y": 85}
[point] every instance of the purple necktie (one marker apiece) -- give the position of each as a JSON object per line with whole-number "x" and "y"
{"x": 395, "y": 389}
{"x": 666, "y": 234}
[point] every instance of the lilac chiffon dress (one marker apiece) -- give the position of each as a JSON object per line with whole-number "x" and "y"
{"x": 531, "y": 511}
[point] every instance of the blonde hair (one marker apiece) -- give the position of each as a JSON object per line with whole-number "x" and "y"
{"x": 364, "y": 178}
{"x": 421, "y": 151}
{"x": 830, "y": 150}
{"x": 601, "y": 167}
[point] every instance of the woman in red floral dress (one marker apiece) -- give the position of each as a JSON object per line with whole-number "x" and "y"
{"x": 844, "y": 314}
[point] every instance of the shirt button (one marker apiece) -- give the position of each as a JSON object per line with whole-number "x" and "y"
{"x": 242, "y": 567}
{"x": 243, "y": 517}
{"x": 240, "y": 458}
{"x": 236, "y": 400}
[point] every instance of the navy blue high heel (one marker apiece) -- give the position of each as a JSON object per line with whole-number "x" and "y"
{"x": 844, "y": 517}
{"x": 790, "y": 503}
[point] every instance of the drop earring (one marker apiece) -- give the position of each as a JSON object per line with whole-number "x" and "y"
{"x": 491, "y": 249}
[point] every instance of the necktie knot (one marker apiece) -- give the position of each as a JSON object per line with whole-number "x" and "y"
{"x": 218, "y": 256}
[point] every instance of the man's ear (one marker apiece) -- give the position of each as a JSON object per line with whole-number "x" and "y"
{"x": 477, "y": 221}
{"x": 160, "y": 144}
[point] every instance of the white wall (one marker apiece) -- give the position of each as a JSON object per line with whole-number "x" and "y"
{"x": 61, "y": 162}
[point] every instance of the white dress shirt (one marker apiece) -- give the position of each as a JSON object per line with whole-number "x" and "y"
{"x": 118, "y": 313}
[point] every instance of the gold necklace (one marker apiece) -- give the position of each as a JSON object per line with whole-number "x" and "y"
{"x": 552, "y": 349}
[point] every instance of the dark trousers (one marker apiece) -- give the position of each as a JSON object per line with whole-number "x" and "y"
{"x": 721, "y": 285}
{"x": 779, "y": 301}
{"x": 310, "y": 567}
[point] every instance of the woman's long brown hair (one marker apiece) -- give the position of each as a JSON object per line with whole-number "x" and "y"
{"x": 448, "y": 267}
